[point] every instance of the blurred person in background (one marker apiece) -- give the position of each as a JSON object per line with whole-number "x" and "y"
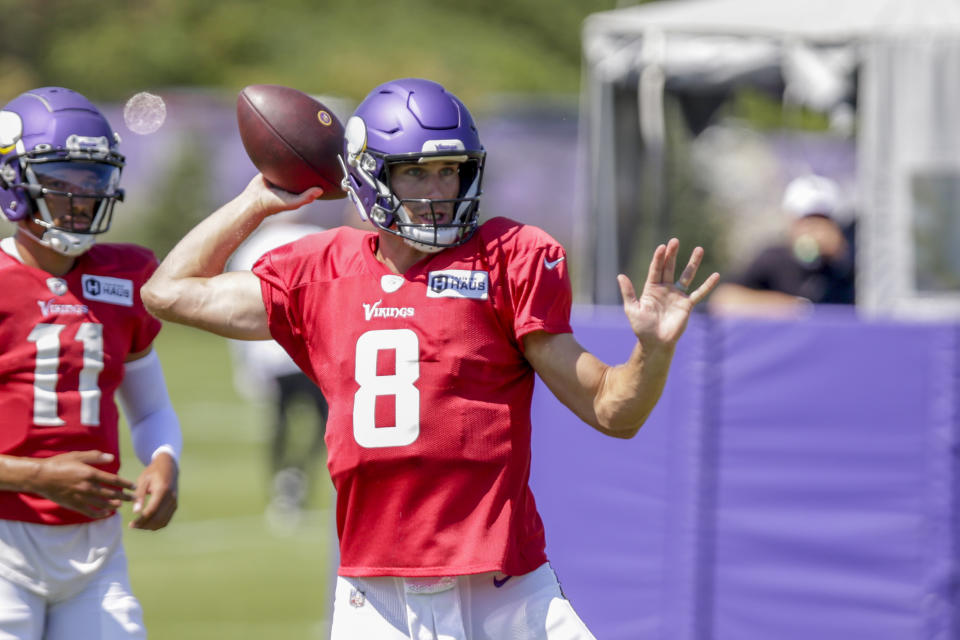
{"x": 813, "y": 266}
{"x": 263, "y": 371}
{"x": 73, "y": 335}
{"x": 425, "y": 335}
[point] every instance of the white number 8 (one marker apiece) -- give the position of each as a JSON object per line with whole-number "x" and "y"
{"x": 406, "y": 429}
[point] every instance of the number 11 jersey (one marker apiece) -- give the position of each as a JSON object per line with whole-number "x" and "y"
{"x": 63, "y": 343}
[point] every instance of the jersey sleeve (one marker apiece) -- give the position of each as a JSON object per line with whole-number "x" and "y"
{"x": 539, "y": 284}
{"x": 276, "y": 269}
{"x": 147, "y": 327}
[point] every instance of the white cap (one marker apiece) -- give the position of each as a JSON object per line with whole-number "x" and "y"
{"x": 811, "y": 195}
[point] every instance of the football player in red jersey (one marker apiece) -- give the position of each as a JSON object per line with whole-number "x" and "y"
{"x": 73, "y": 335}
{"x": 425, "y": 336}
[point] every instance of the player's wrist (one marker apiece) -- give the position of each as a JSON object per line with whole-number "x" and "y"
{"x": 653, "y": 350}
{"x": 166, "y": 452}
{"x": 256, "y": 203}
{"x": 24, "y": 474}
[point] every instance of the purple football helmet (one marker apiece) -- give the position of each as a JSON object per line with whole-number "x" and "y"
{"x": 59, "y": 164}
{"x": 408, "y": 121}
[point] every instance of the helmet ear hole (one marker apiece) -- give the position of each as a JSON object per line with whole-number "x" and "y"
{"x": 11, "y": 129}
{"x": 354, "y": 138}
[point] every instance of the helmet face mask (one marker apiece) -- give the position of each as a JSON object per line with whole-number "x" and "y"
{"x": 408, "y": 122}
{"x": 59, "y": 165}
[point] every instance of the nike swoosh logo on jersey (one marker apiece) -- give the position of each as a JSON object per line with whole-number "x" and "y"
{"x": 500, "y": 583}
{"x": 552, "y": 264}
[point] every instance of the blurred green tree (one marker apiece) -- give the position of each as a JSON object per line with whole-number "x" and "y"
{"x": 179, "y": 201}
{"x": 109, "y": 50}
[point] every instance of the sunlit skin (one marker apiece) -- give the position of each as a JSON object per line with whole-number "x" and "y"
{"x": 437, "y": 180}
{"x": 434, "y": 180}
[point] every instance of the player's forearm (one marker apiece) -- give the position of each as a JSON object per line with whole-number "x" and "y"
{"x": 615, "y": 400}
{"x": 16, "y": 473}
{"x": 628, "y": 392}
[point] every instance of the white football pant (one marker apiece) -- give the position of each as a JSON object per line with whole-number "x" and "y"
{"x": 484, "y": 606}
{"x": 66, "y": 583}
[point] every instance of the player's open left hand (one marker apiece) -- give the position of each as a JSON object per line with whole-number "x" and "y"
{"x": 659, "y": 316}
{"x": 155, "y": 498}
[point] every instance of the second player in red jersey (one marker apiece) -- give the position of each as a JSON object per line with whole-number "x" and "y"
{"x": 63, "y": 346}
{"x": 75, "y": 339}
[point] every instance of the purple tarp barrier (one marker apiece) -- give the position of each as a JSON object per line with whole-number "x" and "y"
{"x": 797, "y": 480}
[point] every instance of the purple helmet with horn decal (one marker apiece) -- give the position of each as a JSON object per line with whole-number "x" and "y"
{"x": 408, "y": 121}
{"x": 59, "y": 164}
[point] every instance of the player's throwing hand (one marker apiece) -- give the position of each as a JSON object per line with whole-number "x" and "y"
{"x": 273, "y": 199}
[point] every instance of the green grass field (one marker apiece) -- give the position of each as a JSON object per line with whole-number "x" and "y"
{"x": 217, "y": 571}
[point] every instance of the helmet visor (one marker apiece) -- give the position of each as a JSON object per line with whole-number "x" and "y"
{"x": 73, "y": 192}
{"x": 78, "y": 178}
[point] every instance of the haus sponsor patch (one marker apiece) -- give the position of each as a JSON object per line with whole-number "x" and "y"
{"x": 107, "y": 289}
{"x": 458, "y": 283}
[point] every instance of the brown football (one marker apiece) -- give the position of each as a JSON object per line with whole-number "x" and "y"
{"x": 292, "y": 139}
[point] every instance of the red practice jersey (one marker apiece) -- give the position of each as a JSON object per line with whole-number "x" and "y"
{"x": 428, "y": 435}
{"x": 63, "y": 343}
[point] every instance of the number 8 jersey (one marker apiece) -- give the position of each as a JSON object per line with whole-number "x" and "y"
{"x": 429, "y": 429}
{"x": 63, "y": 343}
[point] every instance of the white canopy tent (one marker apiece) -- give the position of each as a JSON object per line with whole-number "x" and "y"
{"x": 897, "y": 61}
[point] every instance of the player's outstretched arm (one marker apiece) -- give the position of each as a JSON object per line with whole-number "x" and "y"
{"x": 190, "y": 287}
{"x": 618, "y": 399}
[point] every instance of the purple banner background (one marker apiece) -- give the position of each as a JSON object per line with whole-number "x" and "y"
{"x": 797, "y": 480}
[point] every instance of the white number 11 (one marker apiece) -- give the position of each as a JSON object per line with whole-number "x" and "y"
{"x": 46, "y": 373}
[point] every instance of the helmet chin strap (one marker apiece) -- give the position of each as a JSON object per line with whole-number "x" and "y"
{"x": 414, "y": 237}
{"x": 63, "y": 242}
{"x": 444, "y": 236}
{"x": 68, "y": 244}
{"x": 419, "y": 246}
